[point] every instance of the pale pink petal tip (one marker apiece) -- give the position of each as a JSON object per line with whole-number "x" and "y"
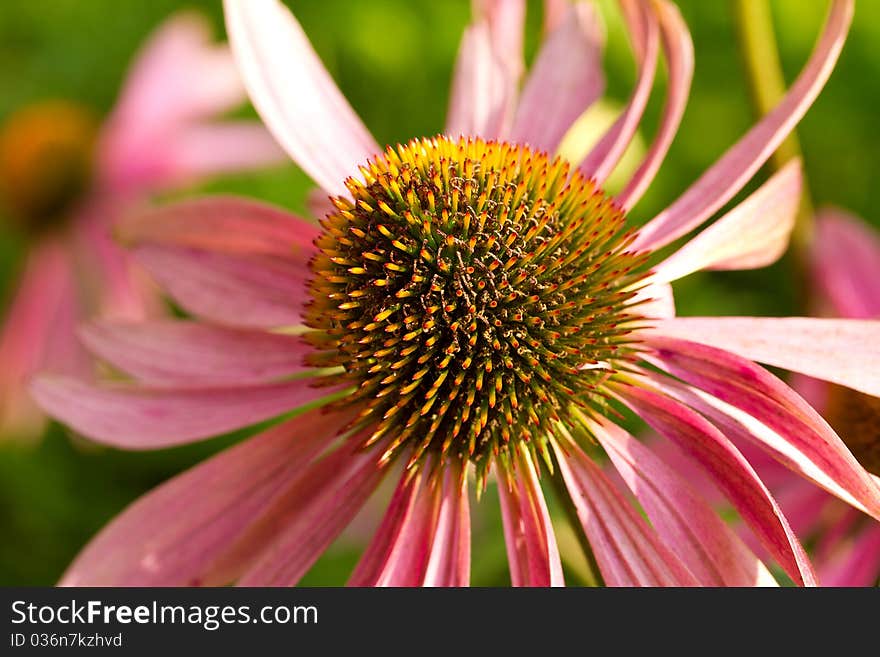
{"x": 294, "y": 94}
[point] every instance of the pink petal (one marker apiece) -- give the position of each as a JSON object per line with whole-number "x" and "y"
{"x": 167, "y": 537}
{"x": 678, "y": 50}
{"x": 401, "y": 548}
{"x": 727, "y": 176}
{"x": 531, "y": 543}
{"x": 483, "y": 88}
{"x": 282, "y": 545}
{"x": 642, "y": 25}
{"x": 149, "y": 418}
{"x": 184, "y": 353}
{"x": 554, "y": 14}
{"x": 564, "y": 81}
{"x": 506, "y": 19}
{"x": 858, "y": 564}
{"x": 294, "y": 94}
{"x": 256, "y": 291}
{"x": 655, "y": 300}
{"x": 683, "y": 519}
{"x": 450, "y": 561}
{"x": 730, "y": 471}
{"x": 846, "y": 263}
{"x": 225, "y": 224}
{"x": 116, "y": 287}
{"x": 627, "y": 550}
{"x": 752, "y": 406}
{"x": 843, "y": 351}
{"x": 319, "y": 203}
{"x": 752, "y": 235}
{"x": 219, "y": 148}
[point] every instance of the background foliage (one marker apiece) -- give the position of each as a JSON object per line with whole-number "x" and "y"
{"x": 393, "y": 59}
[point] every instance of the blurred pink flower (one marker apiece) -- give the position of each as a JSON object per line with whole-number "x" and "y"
{"x": 472, "y": 304}
{"x": 67, "y": 182}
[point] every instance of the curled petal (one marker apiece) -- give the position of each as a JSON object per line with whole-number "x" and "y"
{"x": 731, "y": 472}
{"x": 846, "y": 263}
{"x": 628, "y": 551}
{"x": 678, "y": 50}
{"x": 150, "y": 418}
{"x": 754, "y": 234}
{"x": 728, "y": 175}
{"x": 642, "y": 23}
{"x": 531, "y": 543}
{"x": 167, "y": 537}
{"x": 683, "y": 519}
{"x": 843, "y": 351}
{"x": 185, "y": 353}
{"x": 450, "y": 560}
{"x": 568, "y": 70}
{"x": 294, "y": 94}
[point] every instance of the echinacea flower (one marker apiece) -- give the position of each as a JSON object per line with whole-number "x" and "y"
{"x": 471, "y": 305}
{"x": 66, "y": 180}
{"x": 845, "y": 268}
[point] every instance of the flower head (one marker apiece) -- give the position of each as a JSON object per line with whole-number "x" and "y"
{"x": 469, "y": 301}
{"x": 65, "y": 180}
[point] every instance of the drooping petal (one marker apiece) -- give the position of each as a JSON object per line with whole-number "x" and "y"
{"x": 642, "y": 24}
{"x": 846, "y": 263}
{"x": 728, "y": 175}
{"x": 734, "y": 476}
{"x": 564, "y": 81}
{"x": 754, "y": 234}
{"x": 483, "y": 88}
{"x": 149, "y": 418}
{"x": 628, "y": 551}
{"x": 751, "y": 405}
{"x": 256, "y": 291}
{"x": 450, "y": 560}
{"x": 185, "y": 353}
{"x": 655, "y": 300}
{"x": 843, "y": 351}
{"x": 294, "y": 94}
{"x": 531, "y": 543}
{"x": 170, "y": 535}
{"x": 704, "y": 542}
{"x": 678, "y": 49}
{"x": 219, "y": 148}
{"x": 282, "y": 545}
{"x": 399, "y": 552}
{"x": 226, "y": 224}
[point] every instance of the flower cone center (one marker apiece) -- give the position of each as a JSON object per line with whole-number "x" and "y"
{"x": 473, "y": 292}
{"x": 46, "y": 153}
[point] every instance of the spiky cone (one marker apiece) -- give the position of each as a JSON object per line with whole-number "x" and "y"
{"x": 65, "y": 181}
{"x": 419, "y": 242}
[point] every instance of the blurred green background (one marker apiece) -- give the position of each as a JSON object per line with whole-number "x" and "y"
{"x": 393, "y": 59}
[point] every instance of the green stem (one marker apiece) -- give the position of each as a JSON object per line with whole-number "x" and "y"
{"x": 757, "y": 40}
{"x": 593, "y": 577}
